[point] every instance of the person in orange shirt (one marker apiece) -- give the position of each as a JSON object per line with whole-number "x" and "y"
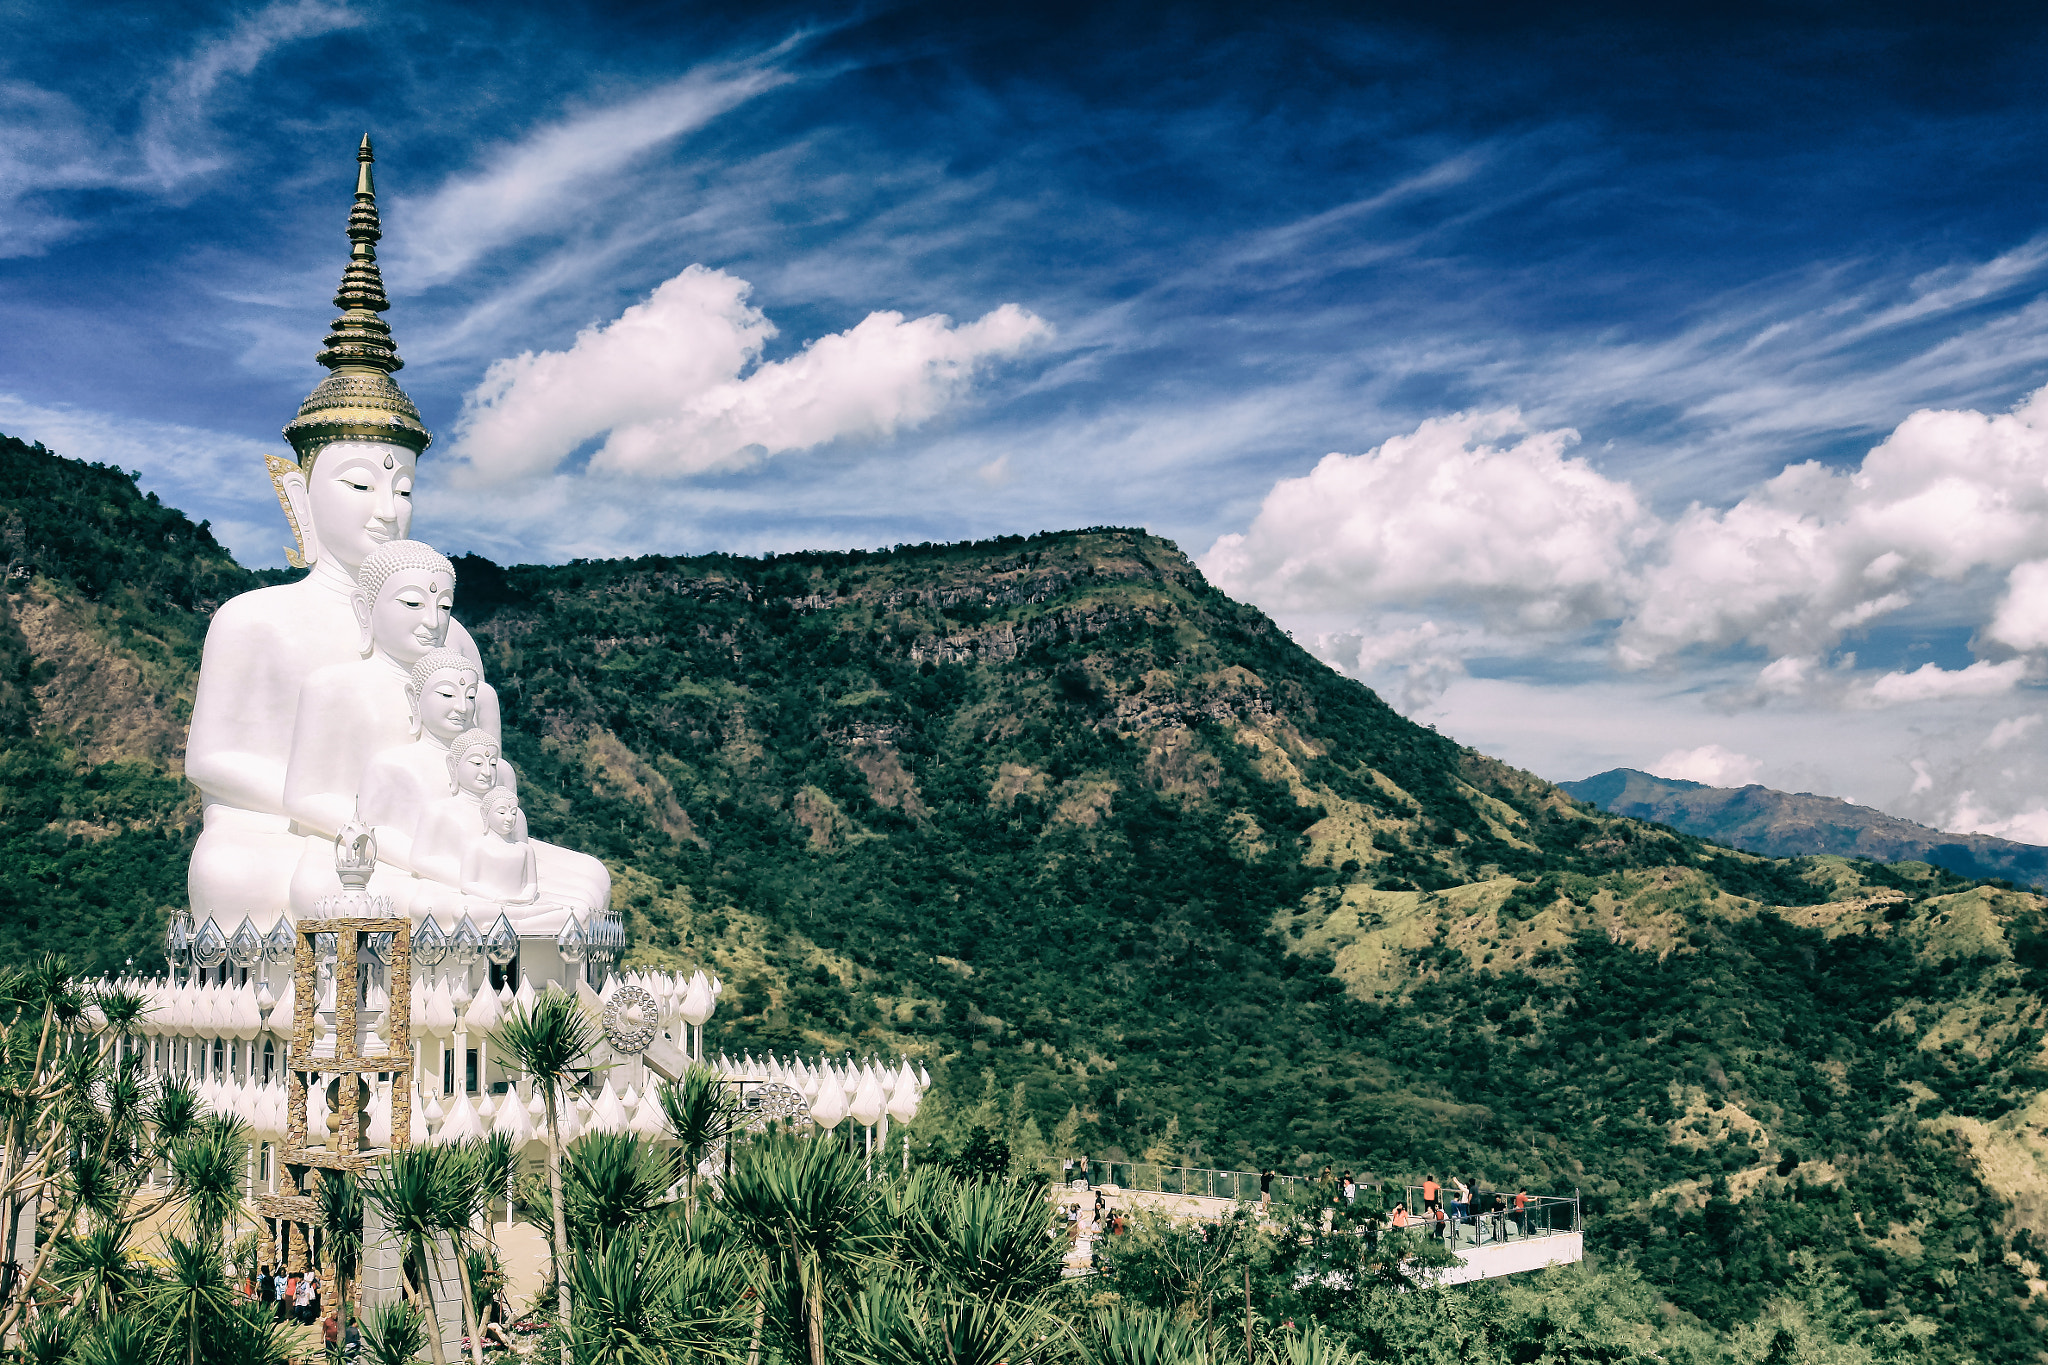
{"x": 1400, "y": 1218}
{"x": 1522, "y": 1212}
{"x": 1430, "y": 1190}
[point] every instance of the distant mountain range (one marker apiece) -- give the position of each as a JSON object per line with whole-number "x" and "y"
{"x": 1793, "y": 824}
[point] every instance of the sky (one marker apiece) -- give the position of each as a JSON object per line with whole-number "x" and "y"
{"x": 1603, "y": 388}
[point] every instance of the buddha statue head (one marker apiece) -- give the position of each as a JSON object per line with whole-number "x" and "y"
{"x": 501, "y": 813}
{"x": 473, "y": 763}
{"x": 404, "y": 599}
{"x": 442, "y": 694}
{"x": 357, "y": 437}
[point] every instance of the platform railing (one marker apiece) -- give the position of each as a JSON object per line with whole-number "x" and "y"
{"x": 1480, "y": 1224}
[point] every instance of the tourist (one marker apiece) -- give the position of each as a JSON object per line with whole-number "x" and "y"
{"x": 1522, "y": 1212}
{"x": 1461, "y": 1199}
{"x": 330, "y": 1330}
{"x": 1500, "y": 1218}
{"x": 266, "y": 1287}
{"x": 1350, "y": 1189}
{"x": 302, "y": 1301}
{"x": 1081, "y": 1165}
{"x": 1101, "y": 1208}
{"x": 1400, "y": 1216}
{"x": 287, "y": 1296}
{"x": 1266, "y": 1190}
{"x": 1442, "y": 1227}
{"x": 1430, "y": 1190}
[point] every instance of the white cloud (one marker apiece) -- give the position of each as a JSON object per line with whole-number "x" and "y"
{"x": 1816, "y": 553}
{"x": 2027, "y": 826}
{"x": 1519, "y": 531}
{"x": 675, "y": 385}
{"x": 2010, "y": 729}
{"x": 2022, "y": 618}
{"x": 1714, "y": 764}
{"x": 1931, "y": 682}
{"x": 544, "y": 181}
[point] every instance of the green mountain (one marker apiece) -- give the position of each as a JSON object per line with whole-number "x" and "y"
{"x": 1793, "y": 825}
{"x": 1133, "y": 872}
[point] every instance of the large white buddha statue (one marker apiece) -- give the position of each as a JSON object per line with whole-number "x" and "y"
{"x": 358, "y": 439}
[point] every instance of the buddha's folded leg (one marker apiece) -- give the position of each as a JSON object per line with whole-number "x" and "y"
{"x": 313, "y": 877}
{"x": 238, "y": 870}
{"x": 570, "y": 876}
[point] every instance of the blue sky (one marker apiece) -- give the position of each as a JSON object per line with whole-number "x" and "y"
{"x": 1182, "y": 255}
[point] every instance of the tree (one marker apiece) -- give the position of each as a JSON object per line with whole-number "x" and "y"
{"x": 701, "y": 1113}
{"x": 339, "y": 1200}
{"x": 548, "y": 1043}
{"x": 811, "y": 1216}
{"x": 415, "y": 1190}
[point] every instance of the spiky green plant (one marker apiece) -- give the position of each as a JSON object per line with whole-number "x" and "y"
{"x": 339, "y": 1201}
{"x": 120, "y": 1340}
{"x": 893, "y": 1322}
{"x": 701, "y": 1113}
{"x": 393, "y": 1334}
{"x": 1139, "y": 1336}
{"x": 810, "y": 1213}
{"x": 989, "y": 1241}
{"x": 548, "y": 1043}
{"x": 188, "y": 1306}
{"x": 418, "y": 1192}
{"x": 49, "y": 1340}
{"x": 98, "y": 1271}
{"x": 207, "y": 1174}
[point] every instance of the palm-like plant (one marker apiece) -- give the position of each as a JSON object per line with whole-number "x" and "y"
{"x": 190, "y": 1304}
{"x": 207, "y": 1172}
{"x": 987, "y": 1241}
{"x": 97, "y": 1271}
{"x": 339, "y": 1200}
{"x": 807, "y": 1209}
{"x": 894, "y": 1323}
{"x": 612, "y": 1181}
{"x": 120, "y": 1340}
{"x": 548, "y": 1043}
{"x": 417, "y": 1192}
{"x": 473, "y": 1170}
{"x": 393, "y": 1334}
{"x": 701, "y": 1113}
{"x": 1139, "y": 1336}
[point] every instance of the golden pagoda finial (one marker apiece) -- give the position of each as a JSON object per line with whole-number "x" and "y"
{"x": 359, "y": 400}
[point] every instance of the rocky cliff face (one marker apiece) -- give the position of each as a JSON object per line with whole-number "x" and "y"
{"x": 1793, "y": 825}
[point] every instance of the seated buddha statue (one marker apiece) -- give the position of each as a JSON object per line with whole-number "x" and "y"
{"x": 446, "y": 863}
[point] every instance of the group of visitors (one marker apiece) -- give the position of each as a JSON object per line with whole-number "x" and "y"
{"x": 1488, "y": 1213}
{"x": 296, "y": 1295}
{"x": 1105, "y": 1220}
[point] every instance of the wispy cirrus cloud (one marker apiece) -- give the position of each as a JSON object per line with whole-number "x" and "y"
{"x": 557, "y": 174}
{"x": 59, "y": 145}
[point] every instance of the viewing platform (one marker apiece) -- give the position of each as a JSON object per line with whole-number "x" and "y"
{"x": 1549, "y": 1230}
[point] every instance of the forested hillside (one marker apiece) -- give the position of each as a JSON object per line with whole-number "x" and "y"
{"x": 1107, "y": 846}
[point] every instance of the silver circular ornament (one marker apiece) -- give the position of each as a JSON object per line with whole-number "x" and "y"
{"x": 629, "y": 1019}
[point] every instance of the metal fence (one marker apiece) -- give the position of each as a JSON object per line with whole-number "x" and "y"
{"x": 1476, "y": 1223}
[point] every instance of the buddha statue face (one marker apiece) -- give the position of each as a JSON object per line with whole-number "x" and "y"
{"x": 410, "y": 615}
{"x": 360, "y": 494}
{"x": 473, "y": 765}
{"x": 445, "y": 704}
{"x": 501, "y": 813}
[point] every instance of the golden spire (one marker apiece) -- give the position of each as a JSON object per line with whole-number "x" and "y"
{"x": 359, "y": 399}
